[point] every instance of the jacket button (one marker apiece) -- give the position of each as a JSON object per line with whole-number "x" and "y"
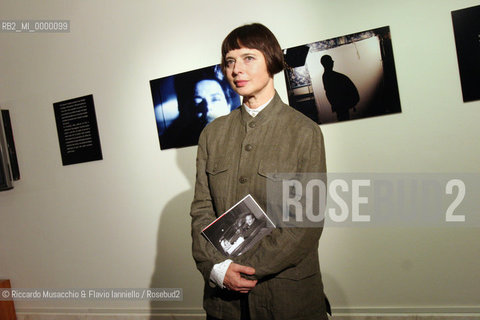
{"x": 248, "y": 147}
{"x": 243, "y": 180}
{"x": 252, "y": 124}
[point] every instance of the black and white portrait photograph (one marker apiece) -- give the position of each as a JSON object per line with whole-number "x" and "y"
{"x": 344, "y": 78}
{"x": 238, "y": 229}
{"x": 466, "y": 27}
{"x": 186, "y": 102}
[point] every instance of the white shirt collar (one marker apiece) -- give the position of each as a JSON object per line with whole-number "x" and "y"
{"x": 254, "y": 112}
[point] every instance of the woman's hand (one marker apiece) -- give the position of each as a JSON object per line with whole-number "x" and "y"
{"x": 234, "y": 281}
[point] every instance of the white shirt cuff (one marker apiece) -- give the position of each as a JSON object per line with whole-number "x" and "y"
{"x": 218, "y": 272}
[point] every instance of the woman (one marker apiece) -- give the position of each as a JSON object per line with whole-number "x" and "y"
{"x": 202, "y": 97}
{"x": 278, "y": 278}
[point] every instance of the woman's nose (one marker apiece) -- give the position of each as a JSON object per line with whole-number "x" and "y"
{"x": 237, "y": 67}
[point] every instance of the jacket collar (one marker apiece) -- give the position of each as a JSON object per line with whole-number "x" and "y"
{"x": 270, "y": 111}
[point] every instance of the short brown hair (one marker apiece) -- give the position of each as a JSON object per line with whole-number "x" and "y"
{"x": 255, "y": 36}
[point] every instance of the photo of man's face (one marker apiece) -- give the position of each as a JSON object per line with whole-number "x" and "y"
{"x": 249, "y": 219}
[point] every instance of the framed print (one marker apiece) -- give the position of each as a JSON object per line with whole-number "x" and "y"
{"x": 344, "y": 78}
{"x": 186, "y": 102}
{"x": 466, "y": 28}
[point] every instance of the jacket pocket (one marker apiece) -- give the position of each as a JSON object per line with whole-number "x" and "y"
{"x": 277, "y": 171}
{"x": 306, "y": 268}
{"x": 216, "y": 166}
{"x": 276, "y": 175}
{"x": 218, "y": 172}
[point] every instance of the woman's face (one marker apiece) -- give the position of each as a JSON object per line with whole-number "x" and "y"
{"x": 247, "y": 73}
{"x": 210, "y": 100}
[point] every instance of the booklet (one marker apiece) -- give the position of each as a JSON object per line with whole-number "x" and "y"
{"x": 239, "y": 228}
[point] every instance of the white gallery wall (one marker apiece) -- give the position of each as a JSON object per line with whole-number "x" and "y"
{"x": 123, "y": 222}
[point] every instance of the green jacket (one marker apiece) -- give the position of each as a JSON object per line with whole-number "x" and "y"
{"x": 236, "y": 155}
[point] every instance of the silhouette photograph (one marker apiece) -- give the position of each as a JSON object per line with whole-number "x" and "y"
{"x": 344, "y": 78}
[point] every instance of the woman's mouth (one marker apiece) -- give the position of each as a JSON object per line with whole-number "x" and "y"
{"x": 241, "y": 83}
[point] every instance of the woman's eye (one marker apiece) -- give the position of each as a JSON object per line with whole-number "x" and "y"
{"x": 249, "y": 58}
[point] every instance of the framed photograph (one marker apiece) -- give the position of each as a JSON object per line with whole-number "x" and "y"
{"x": 6, "y": 177}
{"x": 12, "y": 153}
{"x": 344, "y": 78}
{"x": 186, "y": 102}
{"x": 466, "y": 28}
